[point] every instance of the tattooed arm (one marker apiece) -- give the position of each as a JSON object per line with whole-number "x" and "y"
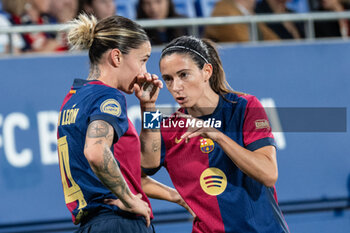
{"x": 147, "y": 90}
{"x": 99, "y": 139}
{"x": 150, "y": 142}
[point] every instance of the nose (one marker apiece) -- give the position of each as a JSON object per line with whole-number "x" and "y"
{"x": 177, "y": 85}
{"x": 143, "y": 69}
{"x": 153, "y": 8}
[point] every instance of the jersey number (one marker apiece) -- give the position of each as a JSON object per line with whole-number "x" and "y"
{"x": 72, "y": 192}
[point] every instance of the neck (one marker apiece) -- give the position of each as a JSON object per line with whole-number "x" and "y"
{"x": 206, "y": 105}
{"x": 95, "y": 72}
{"x": 101, "y": 73}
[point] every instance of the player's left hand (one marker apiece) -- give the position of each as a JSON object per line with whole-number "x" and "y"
{"x": 182, "y": 203}
{"x": 140, "y": 202}
{"x": 207, "y": 132}
{"x": 147, "y": 88}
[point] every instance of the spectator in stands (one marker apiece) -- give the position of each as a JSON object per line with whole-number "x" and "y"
{"x": 99, "y": 8}
{"x": 17, "y": 40}
{"x": 62, "y": 11}
{"x": 160, "y": 9}
{"x": 332, "y": 28}
{"x": 236, "y": 32}
{"x": 284, "y": 30}
{"x": 32, "y": 12}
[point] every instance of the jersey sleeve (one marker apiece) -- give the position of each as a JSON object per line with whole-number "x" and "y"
{"x": 256, "y": 127}
{"x": 112, "y": 109}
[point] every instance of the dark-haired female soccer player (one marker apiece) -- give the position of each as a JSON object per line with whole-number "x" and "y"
{"x": 218, "y": 148}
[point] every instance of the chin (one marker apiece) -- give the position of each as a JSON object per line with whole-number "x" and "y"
{"x": 185, "y": 105}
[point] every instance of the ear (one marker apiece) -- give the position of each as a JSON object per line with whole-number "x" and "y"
{"x": 116, "y": 57}
{"x": 208, "y": 71}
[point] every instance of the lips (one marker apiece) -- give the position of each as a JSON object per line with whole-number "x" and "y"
{"x": 181, "y": 99}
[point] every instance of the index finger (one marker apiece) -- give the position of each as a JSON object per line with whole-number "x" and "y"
{"x": 190, "y": 134}
{"x": 147, "y": 217}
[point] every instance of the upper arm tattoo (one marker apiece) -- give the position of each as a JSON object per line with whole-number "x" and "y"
{"x": 100, "y": 129}
{"x": 97, "y": 129}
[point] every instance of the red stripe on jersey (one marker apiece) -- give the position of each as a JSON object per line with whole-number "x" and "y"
{"x": 68, "y": 96}
{"x": 127, "y": 153}
{"x": 98, "y": 83}
{"x": 185, "y": 163}
{"x": 256, "y": 124}
{"x": 72, "y": 206}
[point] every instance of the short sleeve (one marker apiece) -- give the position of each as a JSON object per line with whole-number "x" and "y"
{"x": 256, "y": 126}
{"x": 112, "y": 109}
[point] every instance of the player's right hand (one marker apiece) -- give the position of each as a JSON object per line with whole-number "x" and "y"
{"x": 137, "y": 206}
{"x": 147, "y": 88}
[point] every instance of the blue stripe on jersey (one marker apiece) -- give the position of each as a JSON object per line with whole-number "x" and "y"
{"x": 277, "y": 210}
{"x": 261, "y": 143}
{"x": 88, "y": 99}
{"x": 244, "y": 205}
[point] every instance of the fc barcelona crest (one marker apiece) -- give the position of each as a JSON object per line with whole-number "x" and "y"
{"x": 206, "y": 145}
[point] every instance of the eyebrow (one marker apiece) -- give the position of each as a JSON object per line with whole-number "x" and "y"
{"x": 180, "y": 71}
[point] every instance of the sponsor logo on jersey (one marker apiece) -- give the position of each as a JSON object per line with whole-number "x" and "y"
{"x": 111, "y": 106}
{"x": 177, "y": 141}
{"x": 213, "y": 181}
{"x": 262, "y": 124}
{"x": 206, "y": 145}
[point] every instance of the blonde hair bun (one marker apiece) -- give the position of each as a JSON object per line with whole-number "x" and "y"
{"x": 82, "y": 31}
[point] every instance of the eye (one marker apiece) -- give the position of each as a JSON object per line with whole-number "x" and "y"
{"x": 183, "y": 75}
{"x": 167, "y": 80}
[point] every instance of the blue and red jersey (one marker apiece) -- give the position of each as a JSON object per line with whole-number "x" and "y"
{"x": 223, "y": 197}
{"x": 88, "y": 101}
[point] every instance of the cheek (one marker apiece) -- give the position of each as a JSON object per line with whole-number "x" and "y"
{"x": 164, "y": 10}
{"x": 135, "y": 69}
{"x": 147, "y": 10}
{"x": 193, "y": 89}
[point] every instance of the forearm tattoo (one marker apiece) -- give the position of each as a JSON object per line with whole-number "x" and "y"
{"x": 155, "y": 145}
{"x": 108, "y": 170}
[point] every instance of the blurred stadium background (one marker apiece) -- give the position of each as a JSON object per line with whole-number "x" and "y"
{"x": 294, "y": 76}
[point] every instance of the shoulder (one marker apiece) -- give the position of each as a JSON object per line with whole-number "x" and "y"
{"x": 239, "y": 98}
{"x": 251, "y": 100}
{"x": 106, "y": 92}
{"x": 104, "y": 99}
